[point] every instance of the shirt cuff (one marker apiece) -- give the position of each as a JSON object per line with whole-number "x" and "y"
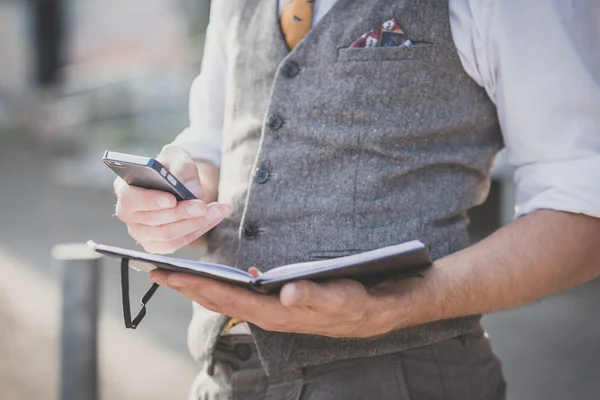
{"x": 569, "y": 185}
{"x": 200, "y": 147}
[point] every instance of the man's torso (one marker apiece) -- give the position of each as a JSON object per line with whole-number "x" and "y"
{"x": 361, "y": 149}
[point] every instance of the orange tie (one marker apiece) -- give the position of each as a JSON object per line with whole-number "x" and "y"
{"x": 296, "y": 20}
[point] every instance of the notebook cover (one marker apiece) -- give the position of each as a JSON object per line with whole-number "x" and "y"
{"x": 368, "y": 267}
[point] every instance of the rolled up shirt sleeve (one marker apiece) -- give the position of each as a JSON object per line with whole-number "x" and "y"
{"x": 543, "y": 59}
{"x": 202, "y": 138}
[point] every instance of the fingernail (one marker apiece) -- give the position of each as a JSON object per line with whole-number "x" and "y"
{"x": 194, "y": 187}
{"x": 157, "y": 277}
{"x": 158, "y": 280}
{"x": 213, "y": 213}
{"x": 194, "y": 210}
{"x": 164, "y": 202}
{"x": 254, "y": 271}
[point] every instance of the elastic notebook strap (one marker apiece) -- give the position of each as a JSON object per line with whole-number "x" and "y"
{"x": 125, "y": 297}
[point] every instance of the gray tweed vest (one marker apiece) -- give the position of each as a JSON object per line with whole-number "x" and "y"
{"x": 329, "y": 151}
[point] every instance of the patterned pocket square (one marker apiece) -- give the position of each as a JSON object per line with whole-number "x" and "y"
{"x": 389, "y": 34}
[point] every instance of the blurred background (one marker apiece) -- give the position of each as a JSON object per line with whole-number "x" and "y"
{"x": 80, "y": 77}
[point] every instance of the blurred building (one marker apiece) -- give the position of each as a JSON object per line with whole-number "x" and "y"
{"x": 128, "y": 64}
{"x": 14, "y": 59}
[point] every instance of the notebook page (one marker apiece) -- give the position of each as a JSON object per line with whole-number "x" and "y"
{"x": 311, "y": 267}
{"x": 217, "y": 271}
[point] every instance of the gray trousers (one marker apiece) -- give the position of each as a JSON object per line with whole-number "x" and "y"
{"x": 462, "y": 368}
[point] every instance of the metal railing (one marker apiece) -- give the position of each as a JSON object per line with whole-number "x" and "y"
{"x": 80, "y": 275}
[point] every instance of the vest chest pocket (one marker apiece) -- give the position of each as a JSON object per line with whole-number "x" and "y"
{"x": 416, "y": 52}
{"x": 328, "y": 254}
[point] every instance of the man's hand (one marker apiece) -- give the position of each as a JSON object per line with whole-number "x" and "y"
{"x": 156, "y": 220}
{"x": 341, "y": 308}
{"x": 537, "y": 255}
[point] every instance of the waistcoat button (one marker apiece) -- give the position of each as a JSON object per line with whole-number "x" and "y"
{"x": 242, "y": 351}
{"x": 250, "y": 231}
{"x": 290, "y": 69}
{"x": 275, "y": 122}
{"x": 261, "y": 175}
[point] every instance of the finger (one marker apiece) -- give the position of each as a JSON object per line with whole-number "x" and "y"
{"x": 167, "y": 232}
{"x": 131, "y": 199}
{"x": 183, "y": 210}
{"x": 187, "y": 173}
{"x": 118, "y": 185}
{"x": 254, "y": 271}
{"x": 182, "y": 166}
{"x": 332, "y": 296}
{"x": 159, "y": 276}
{"x": 162, "y": 247}
{"x": 159, "y": 247}
{"x": 197, "y": 296}
{"x": 230, "y": 299}
{"x": 171, "y": 154}
{"x": 214, "y": 212}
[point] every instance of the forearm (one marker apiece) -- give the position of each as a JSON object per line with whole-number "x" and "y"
{"x": 535, "y": 256}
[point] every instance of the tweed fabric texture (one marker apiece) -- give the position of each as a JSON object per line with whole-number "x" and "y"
{"x": 377, "y": 146}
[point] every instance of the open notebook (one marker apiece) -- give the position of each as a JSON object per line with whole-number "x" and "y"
{"x": 368, "y": 267}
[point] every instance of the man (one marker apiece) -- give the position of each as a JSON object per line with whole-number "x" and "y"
{"x": 319, "y": 146}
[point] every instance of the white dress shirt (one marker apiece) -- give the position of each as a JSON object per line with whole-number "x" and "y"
{"x": 538, "y": 60}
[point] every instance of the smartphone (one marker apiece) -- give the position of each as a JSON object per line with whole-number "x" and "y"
{"x": 146, "y": 173}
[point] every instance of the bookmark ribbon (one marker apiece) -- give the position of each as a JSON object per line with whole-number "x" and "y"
{"x": 129, "y": 323}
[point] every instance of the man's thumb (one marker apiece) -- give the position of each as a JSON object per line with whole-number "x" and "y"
{"x": 181, "y": 165}
{"x": 187, "y": 173}
{"x": 195, "y": 187}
